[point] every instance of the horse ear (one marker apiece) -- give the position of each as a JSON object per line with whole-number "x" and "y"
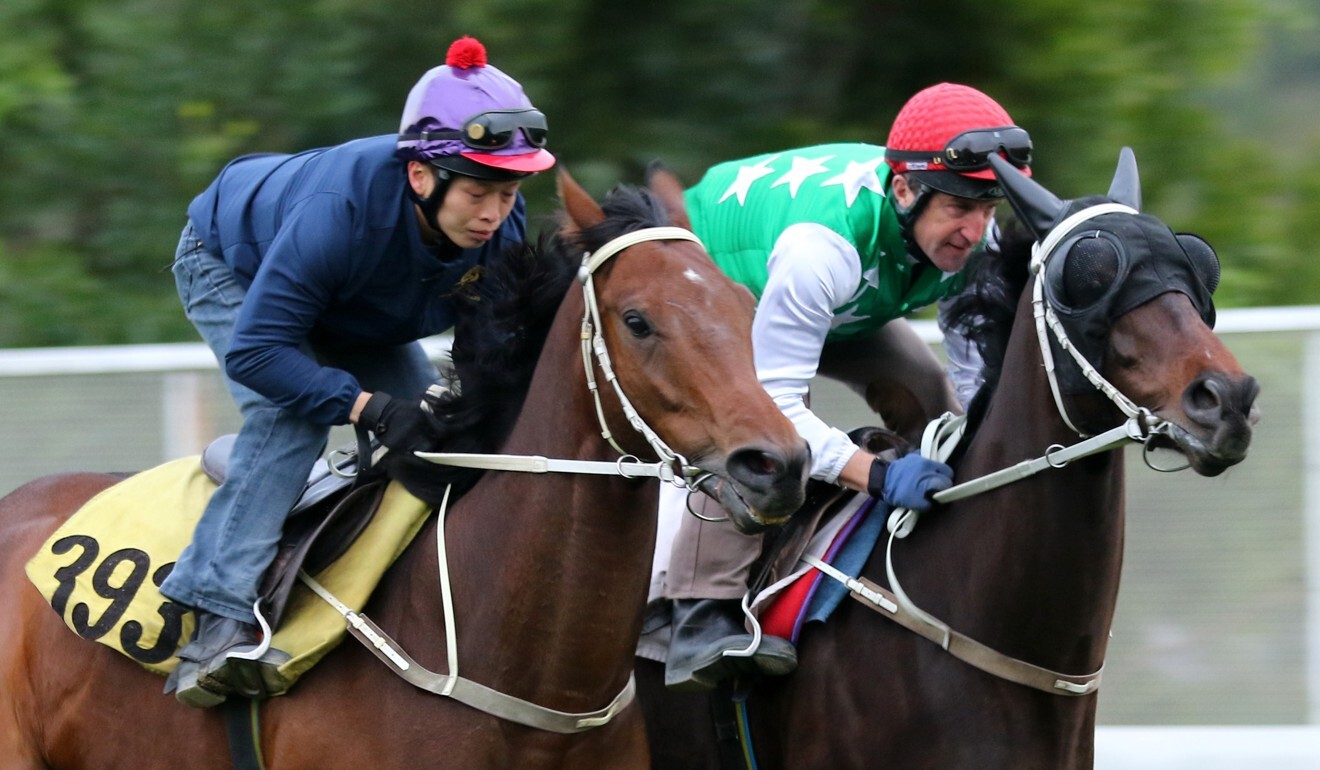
{"x": 669, "y": 190}
{"x": 1126, "y": 187}
{"x": 583, "y": 212}
{"x": 1037, "y": 207}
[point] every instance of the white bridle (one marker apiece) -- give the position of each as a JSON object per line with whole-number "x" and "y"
{"x": 1142, "y": 419}
{"x": 594, "y": 344}
{"x": 944, "y": 433}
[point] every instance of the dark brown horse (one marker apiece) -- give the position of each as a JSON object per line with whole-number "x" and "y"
{"x": 549, "y": 571}
{"x": 1029, "y": 569}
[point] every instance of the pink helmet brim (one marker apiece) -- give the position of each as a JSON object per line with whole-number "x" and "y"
{"x": 527, "y": 162}
{"x": 988, "y": 173}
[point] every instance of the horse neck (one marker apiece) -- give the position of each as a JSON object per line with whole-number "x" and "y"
{"x": 549, "y": 570}
{"x": 1041, "y": 556}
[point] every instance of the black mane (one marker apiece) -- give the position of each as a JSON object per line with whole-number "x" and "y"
{"x": 985, "y": 310}
{"x": 503, "y": 319}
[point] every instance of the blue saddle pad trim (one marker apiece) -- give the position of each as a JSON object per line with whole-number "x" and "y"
{"x": 858, "y": 540}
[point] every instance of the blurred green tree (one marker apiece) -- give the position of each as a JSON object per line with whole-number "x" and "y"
{"x": 113, "y": 115}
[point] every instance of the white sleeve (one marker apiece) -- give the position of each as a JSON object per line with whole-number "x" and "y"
{"x": 965, "y": 363}
{"x": 812, "y": 271}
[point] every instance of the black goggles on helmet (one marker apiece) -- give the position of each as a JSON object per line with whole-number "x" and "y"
{"x": 493, "y": 130}
{"x": 971, "y": 151}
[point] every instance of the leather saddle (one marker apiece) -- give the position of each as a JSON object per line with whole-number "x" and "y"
{"x": 332, "y": 511}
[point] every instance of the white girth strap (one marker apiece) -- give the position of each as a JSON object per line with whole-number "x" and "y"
{"x": 452, "y": 685}
{"x": 966, "y": 649}
{"x": 938, "y": 442}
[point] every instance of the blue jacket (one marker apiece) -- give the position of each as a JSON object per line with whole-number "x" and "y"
{"x": 327, "y": 244}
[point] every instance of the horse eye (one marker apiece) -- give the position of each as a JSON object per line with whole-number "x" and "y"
{"x": 1090, "y": 269}
{"x": 637, "y": 324}
{"x": 1204, "y": 260}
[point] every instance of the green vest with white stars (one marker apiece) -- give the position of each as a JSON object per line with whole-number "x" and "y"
{"x": 740, "y": 208}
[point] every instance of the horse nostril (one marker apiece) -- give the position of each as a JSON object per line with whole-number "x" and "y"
{"x": 1204, "y": 396}
{"x": 1214, "y": 397}
{"x": 756, "y": 462}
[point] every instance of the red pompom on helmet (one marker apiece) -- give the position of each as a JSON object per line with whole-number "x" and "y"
{"x": 466, "y": 52}
{"x": 945, "y": 135}
{"x": 469, "y": 118}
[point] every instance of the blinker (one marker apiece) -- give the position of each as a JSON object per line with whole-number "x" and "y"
{"x": 1119, "y": 262}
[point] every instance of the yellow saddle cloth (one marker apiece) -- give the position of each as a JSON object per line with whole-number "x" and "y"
{"x": 101, "y": 570}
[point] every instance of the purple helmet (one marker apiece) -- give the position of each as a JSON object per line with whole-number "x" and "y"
{"x": 472, "y": 119}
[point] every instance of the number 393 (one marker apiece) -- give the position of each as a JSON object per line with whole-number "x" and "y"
{"x": 119, "y": 586}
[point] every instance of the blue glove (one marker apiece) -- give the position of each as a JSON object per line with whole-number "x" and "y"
{"x": 909, "y": 481}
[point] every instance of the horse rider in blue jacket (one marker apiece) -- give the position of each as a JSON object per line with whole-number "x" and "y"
{"x": 312, "y": 277}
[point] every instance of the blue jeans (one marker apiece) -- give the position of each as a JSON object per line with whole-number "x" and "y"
{"x": 237, "y": 537}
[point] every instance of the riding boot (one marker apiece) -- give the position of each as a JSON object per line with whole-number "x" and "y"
{"x": 704, "y": 630}
{"x": 212, "y": 667}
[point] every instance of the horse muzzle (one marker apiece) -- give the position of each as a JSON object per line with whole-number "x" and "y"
{"x": 759, "y": 488}
{"x": 1221, "y": 411}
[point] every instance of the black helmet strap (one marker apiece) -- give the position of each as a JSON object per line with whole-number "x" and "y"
{"x": 907, "y": 219}
{"x": 430, "y": 205}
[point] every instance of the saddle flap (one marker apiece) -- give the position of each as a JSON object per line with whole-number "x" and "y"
{"x": 313, "y": 542}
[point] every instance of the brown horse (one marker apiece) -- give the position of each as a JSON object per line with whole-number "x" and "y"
{"x": 1029, "y": 569}
{"x": 549, "y": 572}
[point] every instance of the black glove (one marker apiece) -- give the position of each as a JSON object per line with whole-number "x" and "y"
{"x": 909, "y": 481}
{"x": 397, "y": 424}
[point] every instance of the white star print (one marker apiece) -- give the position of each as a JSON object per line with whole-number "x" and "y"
{"x": 846, "y": 316}
{"x": 855, "y": 177}
{"x": 870, "y": 278}
{"x": 802, "y": 168}
{"x": 747, "y": 175}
